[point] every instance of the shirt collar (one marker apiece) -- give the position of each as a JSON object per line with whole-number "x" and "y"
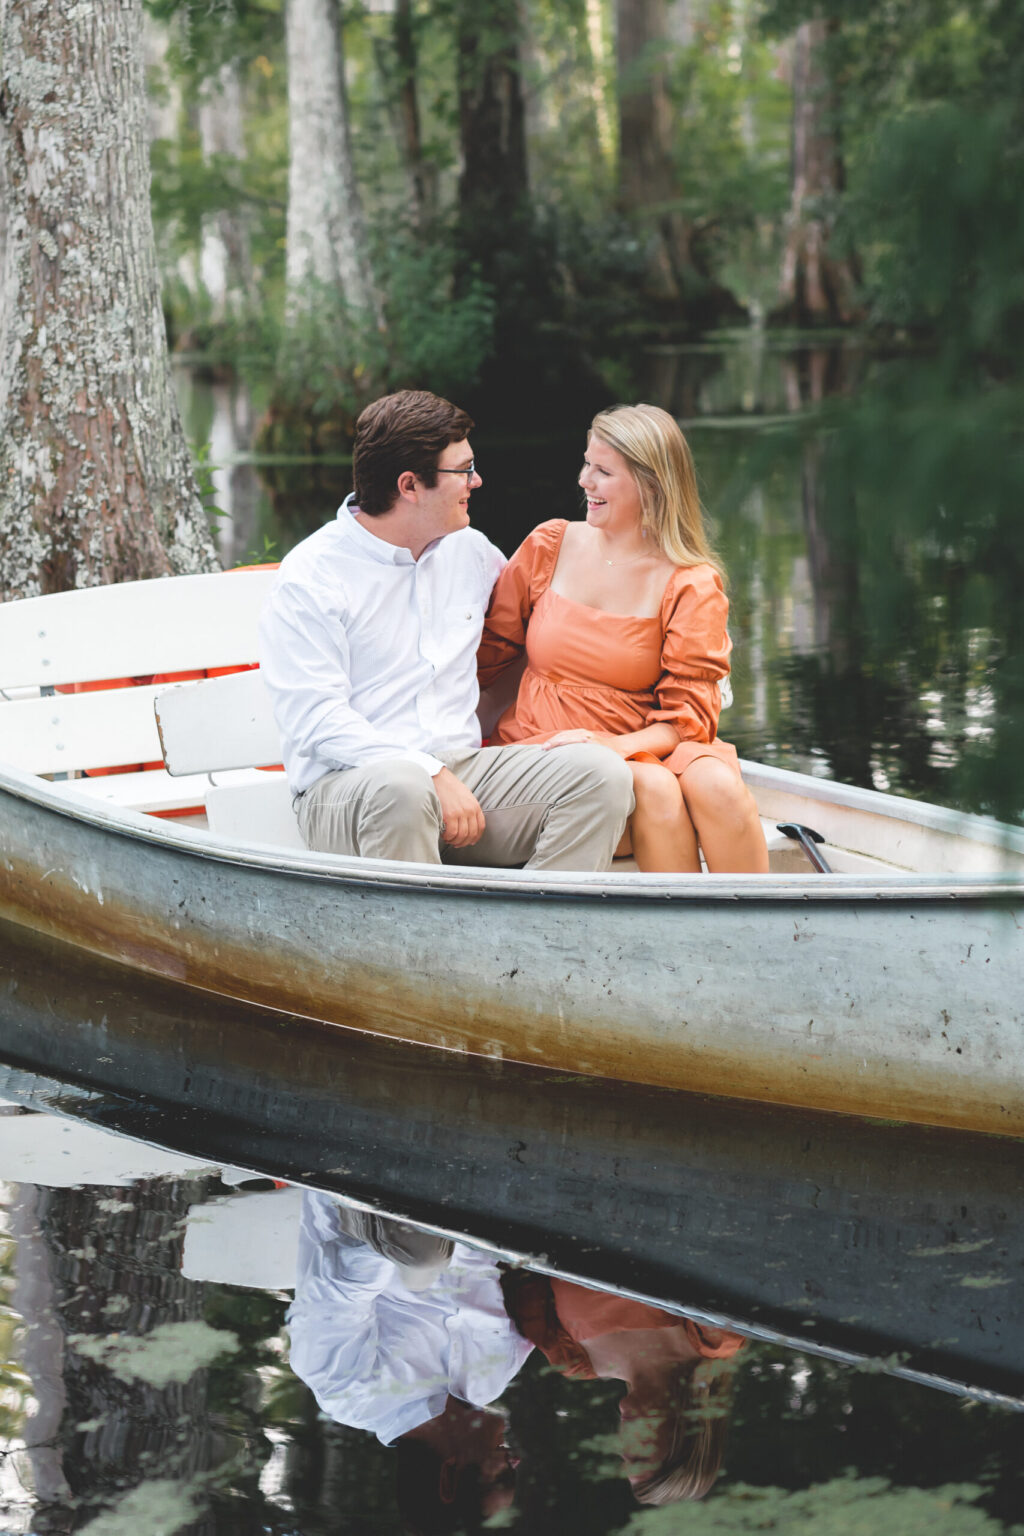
{"x": 367, "y": 542}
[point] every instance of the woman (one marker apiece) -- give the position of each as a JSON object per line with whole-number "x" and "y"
{"x": 623, "y": 622}
{"x": 674, "y": 1415}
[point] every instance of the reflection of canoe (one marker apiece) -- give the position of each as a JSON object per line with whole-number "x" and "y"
{"x": 893, "y": 988}
{"x": 904, "y": 1243}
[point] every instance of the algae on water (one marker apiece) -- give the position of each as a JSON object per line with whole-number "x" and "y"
{"x": 171, "y": 1352}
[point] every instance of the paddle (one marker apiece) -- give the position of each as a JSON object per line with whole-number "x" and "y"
{"x": 807, "y": 838}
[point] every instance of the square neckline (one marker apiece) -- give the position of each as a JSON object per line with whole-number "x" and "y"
{"x": 633, "y": 618}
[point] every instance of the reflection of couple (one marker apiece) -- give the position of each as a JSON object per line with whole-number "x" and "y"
{"x": 410, "y": 1336}
{"x": 405, "y": 1335}
{"x": 369, "y": 650}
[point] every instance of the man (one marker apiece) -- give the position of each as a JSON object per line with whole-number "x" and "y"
{"x": 367, "y": 647}
{"x": 406, "y": 1335}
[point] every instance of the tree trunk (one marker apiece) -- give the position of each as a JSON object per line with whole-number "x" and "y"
{"x": 598, "y": 76}
{"x": 494, "y": 202}
{"x": 91, "y": 1277}
{"x": 327, "y": 244}
{"x": 96, "y": 480}
{"x": 397, "y": 65}
{"x": 816, "y": 287}
{"x": 647, "y": 181}
{"x": 225, "y": 261}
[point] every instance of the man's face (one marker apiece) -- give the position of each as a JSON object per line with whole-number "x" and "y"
{"x": 445, "y": 506}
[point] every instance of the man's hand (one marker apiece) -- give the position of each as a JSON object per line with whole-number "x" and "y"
{"x": 462, "y": 820}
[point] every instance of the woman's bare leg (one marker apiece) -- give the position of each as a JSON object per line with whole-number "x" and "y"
{"x": 660, "y": 829}
{"x": 724, "y": 813}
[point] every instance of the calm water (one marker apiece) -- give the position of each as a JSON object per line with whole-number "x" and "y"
{"x": 147, "y": 1387}
{"x": 873, "y": 538}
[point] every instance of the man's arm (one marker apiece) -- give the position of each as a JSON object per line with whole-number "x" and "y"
{"x": 305, "y": 664}
{"x": 356, "y": 1368}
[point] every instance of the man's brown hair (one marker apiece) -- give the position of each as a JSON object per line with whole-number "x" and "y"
{"x": 408, "y": 430}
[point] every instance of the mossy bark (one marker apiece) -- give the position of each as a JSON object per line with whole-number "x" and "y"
{"x": 96, "y": 479}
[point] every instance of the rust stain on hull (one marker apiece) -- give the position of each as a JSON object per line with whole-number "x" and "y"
{"x": 179, "y": 941}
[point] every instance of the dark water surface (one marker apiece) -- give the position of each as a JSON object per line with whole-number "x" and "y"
{"x": 875, "y": 1270}
{"x": 870, "y": 518}
{"x": 147, "y": 1387}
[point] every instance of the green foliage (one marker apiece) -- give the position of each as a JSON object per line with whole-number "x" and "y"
{"x": 328, "y": 360}
{"x": 732, "y": 123}
{"x": 206, "y": 34}
{"x": 843, "y": 1507}
{"x": 436, "y": 338}
{"x": 204, "y": 473}
{"x": 948, "y": 259}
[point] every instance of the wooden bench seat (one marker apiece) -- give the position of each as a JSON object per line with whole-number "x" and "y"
{"x": 135, "y": 629}
{"x": 119, "y": 645}
{"x": 156, "y": 791}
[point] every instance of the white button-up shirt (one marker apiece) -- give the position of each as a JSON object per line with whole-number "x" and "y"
{"x": 383, "y": 1358}
{"x": 368, "y": 653}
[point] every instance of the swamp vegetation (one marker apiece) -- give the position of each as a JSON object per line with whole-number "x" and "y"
{"x": 522, "y": 206}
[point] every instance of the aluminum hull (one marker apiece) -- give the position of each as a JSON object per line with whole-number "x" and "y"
{"x": 901, "y": 1243}
{"x": 895, "y": 996}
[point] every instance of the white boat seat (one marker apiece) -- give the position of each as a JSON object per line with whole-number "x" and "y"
{"x": 226, "y": 723}
{"x": 155, "y": 791}
{"x": 68, "y": 732}
{"x": 134, "y": 629}
{"x": 217, "y": 723}
{"x": 257, "y": 811}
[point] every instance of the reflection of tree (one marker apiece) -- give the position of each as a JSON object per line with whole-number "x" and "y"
{"x": 842, "y": 1505}
{"x": 111, "y": 1272}
{"x": 801, "y": 1420}
{"x": 340, "y": 1481}
{"x": 912, "y": 633}
{"x": 567, "y": 1482}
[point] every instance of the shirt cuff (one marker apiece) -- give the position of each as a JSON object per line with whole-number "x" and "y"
{"x": 433, "y": 765}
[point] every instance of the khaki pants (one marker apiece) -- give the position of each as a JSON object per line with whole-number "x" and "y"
{"x": 418, "y": 1256}
{"x": 563, "y": 809}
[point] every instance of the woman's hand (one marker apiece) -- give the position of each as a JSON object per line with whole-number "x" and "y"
{"x": 571, "y": 738}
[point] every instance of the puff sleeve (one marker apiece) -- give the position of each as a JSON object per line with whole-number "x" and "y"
{"x": 516, "y": 591}
{"x": 695, "y": 654}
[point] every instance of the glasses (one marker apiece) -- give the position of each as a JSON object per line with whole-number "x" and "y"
{"x": 469, "y": 471}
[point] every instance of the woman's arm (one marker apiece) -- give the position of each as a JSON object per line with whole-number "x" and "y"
{"x": 695, "y": 655}
{"x": 659, "y": 740}
{"x": 515, "y": 592}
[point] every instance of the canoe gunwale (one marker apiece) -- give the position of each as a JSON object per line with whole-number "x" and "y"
{"x": 918, "y": 813}
{"x": 555, "y": 885}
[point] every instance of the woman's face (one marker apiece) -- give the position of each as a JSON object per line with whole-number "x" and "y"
{"x": 613, "y": 500}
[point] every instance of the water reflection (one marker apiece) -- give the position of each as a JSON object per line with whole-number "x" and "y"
{"x": 147, "y": 1380}
{"x": 867, "y": 511}
{"x": 405, "y": 1335}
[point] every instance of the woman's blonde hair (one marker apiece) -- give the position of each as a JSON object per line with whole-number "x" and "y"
{"x": 703, "y": 1396}
{"x": 661, "y": 464}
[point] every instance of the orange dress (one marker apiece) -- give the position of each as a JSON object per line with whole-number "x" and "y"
{"x": 587, "y": 669}
{"x": 560, "y": 1317}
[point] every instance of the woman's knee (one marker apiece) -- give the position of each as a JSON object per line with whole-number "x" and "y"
{"x": 712, "y": 788}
